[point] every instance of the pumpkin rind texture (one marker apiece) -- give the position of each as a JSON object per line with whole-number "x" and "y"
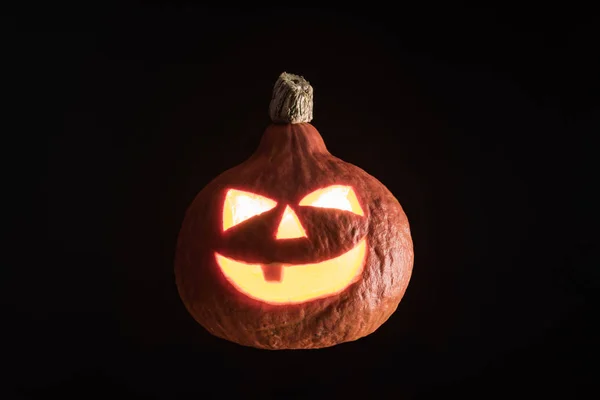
{"x": 291, "y": 162}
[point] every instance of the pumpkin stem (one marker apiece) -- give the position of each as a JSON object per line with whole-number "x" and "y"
{"x": 292, "y": 101}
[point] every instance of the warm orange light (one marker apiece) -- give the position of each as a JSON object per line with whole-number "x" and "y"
{"x": 290, "y": 226}
{"x": 240, "y": 206}
{"x": 336, "y": 196}
{"x": 296, "y": 283}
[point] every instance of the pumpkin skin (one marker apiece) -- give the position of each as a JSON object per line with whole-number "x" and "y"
{"x": 291, "y": 162}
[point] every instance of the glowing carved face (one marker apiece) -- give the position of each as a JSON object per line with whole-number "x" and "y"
{"x": 293, "y": 283}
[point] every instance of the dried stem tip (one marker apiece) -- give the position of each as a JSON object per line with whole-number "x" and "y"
{"x": 292, "y": 101}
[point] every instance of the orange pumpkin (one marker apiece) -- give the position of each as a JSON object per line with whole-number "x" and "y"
{"x": 294, "y": 248}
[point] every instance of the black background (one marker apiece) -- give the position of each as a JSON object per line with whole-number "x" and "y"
{"x": 480, "y": 121}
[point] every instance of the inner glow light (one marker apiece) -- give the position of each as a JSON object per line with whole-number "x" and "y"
{"x": 240, "y": 206}
{"x": 290, "y": 226}
{"x": 336, "y": 196}
{"x": 298, "y": 283}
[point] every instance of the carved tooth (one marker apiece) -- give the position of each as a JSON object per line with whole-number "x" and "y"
{"x": 272, "y": 272}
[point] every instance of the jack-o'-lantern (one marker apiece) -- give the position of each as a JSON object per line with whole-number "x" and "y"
{"x": 294, "y": 248}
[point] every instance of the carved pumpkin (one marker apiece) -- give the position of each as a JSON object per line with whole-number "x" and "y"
{"x": 294, "y": 248}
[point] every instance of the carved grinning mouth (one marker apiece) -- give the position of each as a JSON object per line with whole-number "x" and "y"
{"x": 295, "y": 283}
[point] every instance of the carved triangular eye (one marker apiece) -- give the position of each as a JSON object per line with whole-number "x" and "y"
{"x": 240, "y": 206}
{"x": 336, "y": 196}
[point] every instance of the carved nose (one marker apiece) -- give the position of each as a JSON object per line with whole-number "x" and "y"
{"x": 289, "y": 226}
